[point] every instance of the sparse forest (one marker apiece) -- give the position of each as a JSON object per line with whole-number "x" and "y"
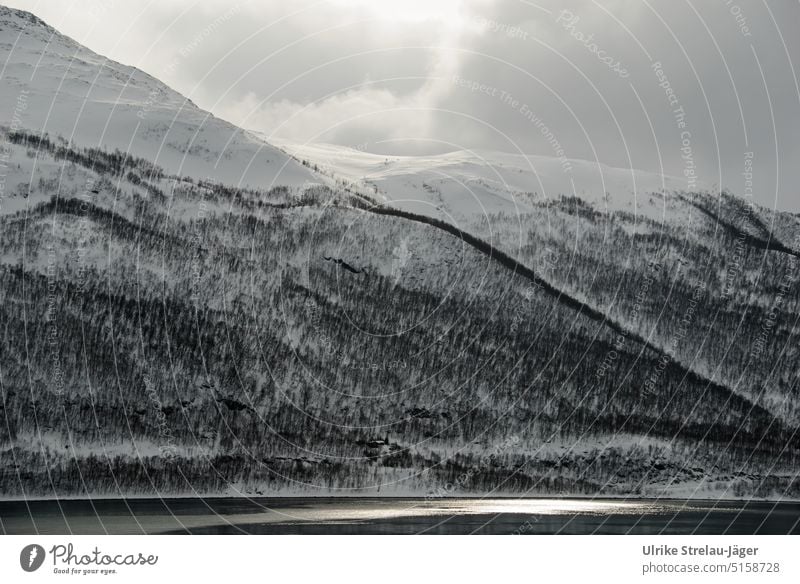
{"x": 163, "y": 334}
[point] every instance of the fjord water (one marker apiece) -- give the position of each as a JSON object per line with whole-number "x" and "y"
{"x": 397, "y": 516}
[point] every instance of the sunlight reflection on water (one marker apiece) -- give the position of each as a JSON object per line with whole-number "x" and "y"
{"x": 479, "y": 507}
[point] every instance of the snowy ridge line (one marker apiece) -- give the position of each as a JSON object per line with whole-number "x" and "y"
{"x": 594, "y": 314}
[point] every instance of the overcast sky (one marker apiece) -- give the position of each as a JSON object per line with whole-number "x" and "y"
{"x": 423, "y": 76}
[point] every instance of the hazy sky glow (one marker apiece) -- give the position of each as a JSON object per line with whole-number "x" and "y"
{"x": 608, "y": 78}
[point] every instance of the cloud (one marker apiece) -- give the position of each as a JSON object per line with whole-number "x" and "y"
{"x": 354, "y": 116}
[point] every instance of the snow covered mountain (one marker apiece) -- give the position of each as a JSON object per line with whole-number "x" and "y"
{"x": 468, "y": 184}
{"x": 185, "y": 308}
{"x": 54, "y": 85}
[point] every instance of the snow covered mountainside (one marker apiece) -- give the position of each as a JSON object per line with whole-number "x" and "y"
{"x": 236, "y": 318}
{"x": 469, "y": 184}
{"x": 54, "y": 85}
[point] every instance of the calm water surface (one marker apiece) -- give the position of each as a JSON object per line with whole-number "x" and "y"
{"x": 397, "y": 516}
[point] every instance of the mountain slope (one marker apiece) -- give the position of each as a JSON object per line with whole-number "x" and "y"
{"x": 609, "y": 240}
{"x": 280, "y": 348}
{"x": 55, "y": 85}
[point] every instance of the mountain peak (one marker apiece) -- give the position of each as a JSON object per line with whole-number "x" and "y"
{"x": 21, "y": 18}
